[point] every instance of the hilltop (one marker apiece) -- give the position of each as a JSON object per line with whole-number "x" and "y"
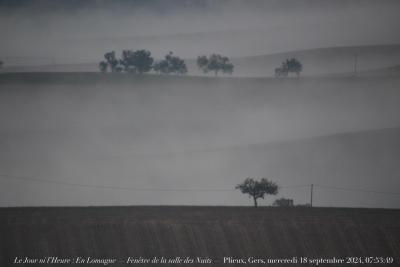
{"x": 323, "y": 61}
{"x": 329, "y": 61}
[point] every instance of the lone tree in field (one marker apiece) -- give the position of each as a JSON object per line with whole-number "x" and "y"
{"x": 257, "y": 189}
{"x": 1, "y": 64}
{"x": 293, "y": 65}
{"x": 288, "y": 66}
{"x": 139, "y": 61}
{"x": 170, "y": 64}
{"x": 215, "y": 63}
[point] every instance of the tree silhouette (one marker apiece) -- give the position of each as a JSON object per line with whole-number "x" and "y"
{"x": 288, "y": 66}
{"x": 294, "y": 65}
{"x": 202, "y": 63}
{"x": 215, "y": 63}
{"x": 112, "y": 61}
{"x": 171, "y": 64}
{"x": 127, "y": 61}
{"x": 161, "y": 67}
{"x": 1, "y": 64}
{"x": 139, "y": 61}
{"x": 257, "y": 189}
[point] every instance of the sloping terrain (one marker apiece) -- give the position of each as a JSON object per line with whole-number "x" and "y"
{"x": 320, "y": 61}
{"x": 196, "y": 132}
{"x": 364, "y": 160}
{"x": 209, "y": 232}
{"x": 82, "y": 67}
{"x": 323, "y": 61}
{"x": 388, "y": 71}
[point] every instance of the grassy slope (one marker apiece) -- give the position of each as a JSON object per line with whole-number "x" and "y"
{"x": 216, "y": 232}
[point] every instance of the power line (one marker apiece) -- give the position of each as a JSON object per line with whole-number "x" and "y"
{"x": 127, "y": 188}
{"x": 311, "y": 195}
{"x": 293, "y": 186}
{"x": 35, "y": 179}
{"x": 357, "y": 190}
{"x": 41, "y": 180}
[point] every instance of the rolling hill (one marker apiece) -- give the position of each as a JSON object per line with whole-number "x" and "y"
{"x": 323, "y": 61}
{"x": 330, "y": 61}
{"x": 197, "y": 132}
{"x": 387, "y": 71}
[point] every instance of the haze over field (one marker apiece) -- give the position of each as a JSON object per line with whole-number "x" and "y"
{"x": 72, "y": 32}
{"x": 63, "y": 134}
{"x": 197, "y": 133}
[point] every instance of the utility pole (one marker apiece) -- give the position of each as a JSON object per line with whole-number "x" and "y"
{"x": 311, "y": 200}
{"x": 355, "y": 64}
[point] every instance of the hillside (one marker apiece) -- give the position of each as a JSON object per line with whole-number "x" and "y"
{"x": 364, "y": 160}
{"x": 322, "y": 61}
{"x": 196, "y": 132}
{"x": 207, "y": 232}
{"x": 387, "y": 71}
{"x": 328, "y": 61}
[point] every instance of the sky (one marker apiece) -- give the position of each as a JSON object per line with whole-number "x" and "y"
{"x": 48, "y": 32}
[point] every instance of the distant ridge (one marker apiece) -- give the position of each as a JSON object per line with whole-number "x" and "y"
{"x": 327, "y": 61}
{"x": 319, "y": 61}
{"x": 334, "y": 49}
{"x": 323, "y": 61}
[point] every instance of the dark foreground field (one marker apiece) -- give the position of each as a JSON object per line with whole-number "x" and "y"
{"x": 208, "y": 232}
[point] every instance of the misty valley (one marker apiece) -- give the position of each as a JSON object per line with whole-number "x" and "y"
{"x": 199, "y": 132}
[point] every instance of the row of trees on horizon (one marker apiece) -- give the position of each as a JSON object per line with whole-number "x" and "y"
{"x": 141, "y": 61}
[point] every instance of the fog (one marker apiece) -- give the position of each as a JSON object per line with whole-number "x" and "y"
{"x": 195, "y": 134}
{"x": 71, "y": 139}
{"x": 35, "y": 34}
